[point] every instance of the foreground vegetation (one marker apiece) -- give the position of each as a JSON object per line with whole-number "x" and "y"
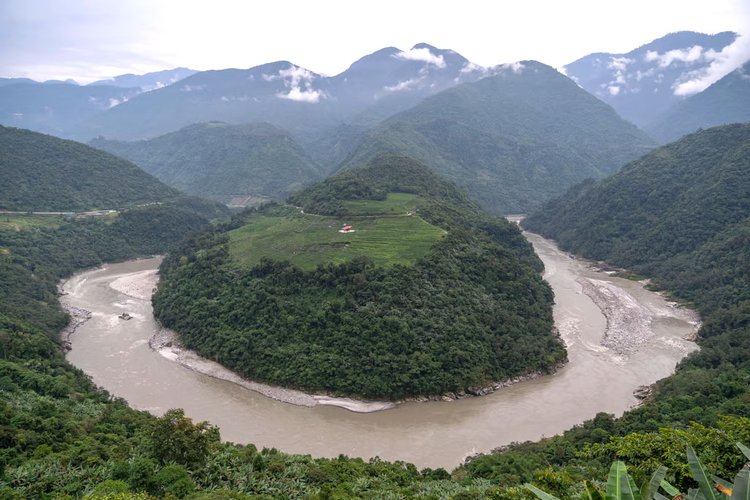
{"x": 444, "y": 300}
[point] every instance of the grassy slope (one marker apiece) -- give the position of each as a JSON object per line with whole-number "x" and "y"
{"x": 382, "y": 232}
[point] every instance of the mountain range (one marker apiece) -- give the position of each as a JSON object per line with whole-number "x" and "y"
{"x": 645, "y": 82}
{"x": 512, "y": 140}
{"x": 329, "y": 116}
{"x": 724, "y": 102}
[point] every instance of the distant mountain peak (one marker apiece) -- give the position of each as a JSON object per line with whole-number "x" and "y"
{"x": 642, "y": 83}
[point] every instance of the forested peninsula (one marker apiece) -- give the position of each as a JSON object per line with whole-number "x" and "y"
{"x": 326, "y": 296}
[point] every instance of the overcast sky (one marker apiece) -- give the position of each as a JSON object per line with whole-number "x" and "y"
{"x": 93, "y": 39}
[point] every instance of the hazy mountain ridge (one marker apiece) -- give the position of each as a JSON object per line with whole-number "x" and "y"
{"x": 284, "y": 94}
{"x": 644, "y": 82}
{"x": 513, "y": 140}
{"x": 726, "y": 101}
{"x": 57, "y": 107}
{"x": 148, "y": 81}
{"x": 222, "y": 161}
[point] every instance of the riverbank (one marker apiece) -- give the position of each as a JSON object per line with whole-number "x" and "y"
{"x": 166, "y": 343}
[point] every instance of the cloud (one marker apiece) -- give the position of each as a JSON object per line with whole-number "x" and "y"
{"x": 515, "y": 67}
{"x": 470, "y": 67}
{"x": 299, "y": 81}
{"x": 297, "y": 94}
{"x": 722, "y": 63}
{"x": 693, "y": 54}
{"x": 619, "y": 63}
{"x": 614, "y": 90}
{"x": 404, "y": 85}
{"x": 115, "y": 102}
{"x": 422, "y": 54}
{"x": 191, "y": 88}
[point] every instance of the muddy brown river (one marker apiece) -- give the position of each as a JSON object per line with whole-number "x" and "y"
{"x": 644, "y": 341}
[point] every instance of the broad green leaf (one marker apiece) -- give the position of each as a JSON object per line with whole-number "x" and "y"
{"x": 671, "y": 490}
{"x": 539, "y": 493}
{"x": 591, "y": 493}
{"x": 741, "y": 488}
{"x": 745, "y": 450}
{"x": 652, "y": 486}
{"x": 632, "y": 491}
{"x": 694, "y": 494}
{"x": 617, "y": 477}
{"x": 659, "y": 496}
{"x": 700, "y": 475}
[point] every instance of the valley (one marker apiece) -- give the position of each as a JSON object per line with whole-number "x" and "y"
{"x": 429, "y": 434}
{"x": 261, "y": 278}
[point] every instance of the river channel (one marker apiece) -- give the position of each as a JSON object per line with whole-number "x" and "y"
{"x": 643, "y": 345}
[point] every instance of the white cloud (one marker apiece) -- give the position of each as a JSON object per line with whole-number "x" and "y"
{"x": 405, "y": 85}
{"x": 299, "y": 81}
{"x": 722, "y": 63}
{"x": 619, "y": 63}
{"x": 115, "y": 102}
{"x": 470, "y": 67}
{"x": 192, "y": 88}
{"x": 613, "y": 90}
{"x": 693, "y": 54}
{"x": 422, "y": 54}
{"x": 515, "y": 67}
{"x": 297, "y": 94}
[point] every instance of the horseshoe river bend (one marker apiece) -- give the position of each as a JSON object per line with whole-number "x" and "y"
{"x": 619, "y": 337}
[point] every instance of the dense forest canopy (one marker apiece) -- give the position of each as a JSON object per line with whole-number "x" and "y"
{"x": 371, "y": 320}
{"x": 40, "y": 172}
{"x": 221, "y": 161}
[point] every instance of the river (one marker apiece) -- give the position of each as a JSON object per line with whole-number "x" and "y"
{"x": 116, "y": 354}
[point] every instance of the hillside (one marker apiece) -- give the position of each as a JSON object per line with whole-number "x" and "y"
{"x": 55, "y": 108}
{"x": 726, "y": 101}
{"x": 512, "y": 140}
{"x": 42, "y": 172}
{"x": 222, "y": 161}
{"x": 423, "y": 295}
{"x": 645, "y": 82}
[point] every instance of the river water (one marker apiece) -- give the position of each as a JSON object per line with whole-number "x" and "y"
{"x": 116, "y": 354}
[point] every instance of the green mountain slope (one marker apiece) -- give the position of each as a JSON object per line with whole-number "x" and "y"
{"x": 426, "y": 295}
{"x": 681, "y": 217}
{"x": 42, "y": 172}
{"x": 222, "y": 161}
{"x": 672, "y": 202}
{"x": 512, "y": 140}
{"x": 726, "y": 101}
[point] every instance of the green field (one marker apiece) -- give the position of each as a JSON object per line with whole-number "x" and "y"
{"x": 19, "y": 222}
{"x": 394, "y": 204}
{"x": 307, "y": 240}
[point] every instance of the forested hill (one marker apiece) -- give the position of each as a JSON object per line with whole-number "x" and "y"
{"x": 680, "y": 213}
{"x": 422, "y": 295}
{"x": 221, "y": 161}
{"x": 40, "y": 172}
{"x": 513, "y": 140}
